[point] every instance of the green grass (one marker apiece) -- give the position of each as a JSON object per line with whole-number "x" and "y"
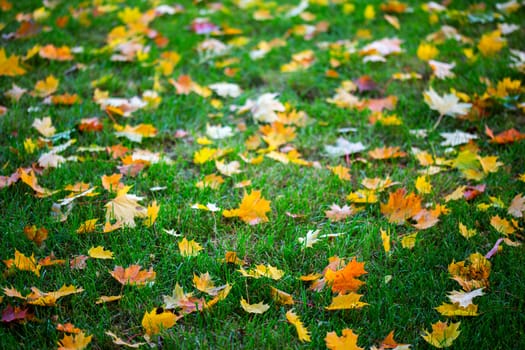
{"x": 419, "y": 280}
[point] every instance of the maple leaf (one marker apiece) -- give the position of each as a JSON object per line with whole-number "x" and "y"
{"x": 36, "y": 235}
{"x": 205, "y": 284}
{"x": 119, "y": 341}
{"x": 517, "y": 206}
{"x": 446, "y": 105}
{"x": 302, "y": 331}
{"x": 15, "y": 314}
{"x": 463, "y": 298}
{"x": 133, "y": 275}
{"x": 409, "y": 241}
{"x": 502, "y": 225}
{"x": 427, "y": 52}
{"x": 228, "y": 169}
{"x": 344, "y": 280}
{"x": 158, "y": 320}
{"x": 336, "y": 213}
{"x": 135, "y": 133}
{"x": 347, "y": 341}
{"x": 385, "y": 237}
{"x": 491, "y": 43}
{"x": 100, "y": 253}
{"x": 68, "y": 328}
{"x": 442, "y": 70}
{"x": 343, "y": 148}
{"x": 265, "y": 107}
{"x": 342, "y": 172}
{"x": 281, "y": 297}
{"x": 44, "y": 126}
{"x": 507, "y": 136}
{"x": 24, "y": 263}
{"x": 189, "y": 248}
{"x": 386, "y": 153}
{"x": 472, "y": 273}
{"x": 185, "y": 301}
{"x": 44, "y": 88}
{"x": 258, "y": 308}
{"x": 87, "y": 226}
{"x": 346, "y": 301}
{"x": 9, "y": 66}
{"x": 108, "y": 299}
{"x": 466, "y": 232}
{"x": 399, "y": 207}
{"x": 37, "y": 297}
{"x": 152, "y": 211}
{"x": 310, "y": 239}
{"x": 442, "y": 335}
{"x": 252, "y": 209}
{"x": 74, "y": 342}
{"x": 451, "y": 310}
{"x": 125, "y": 207}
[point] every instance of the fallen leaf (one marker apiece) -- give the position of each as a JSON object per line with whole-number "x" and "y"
{"x": 346, "y": 301}
{"x": 258, "y": 308}
{"x": 463, "y": 298}
{"x": 189, "y": 248}
{"x": 400, "y": 207}
{"x": 119, "y": 341}
{"x": 24, "y": 263}
{"x": 252, "y": 209}
{"x": 281, "y": 297}
{"x": 466, "y": 232}
{"x": 158, "y": 320}
{"x": 10, "y": 66}
{"x": 442, "y": 335}
{"x": 344, "y": 280}
{"x": 37, "y": 235}
{"x": 347, "y": 341}
{"x": 74, "y": 342}
{"x": 133, "y": 275}
{"x": 517, "y": 206}
{"x": 310, "y": 239}
{"x": 302, "y": 331}
{"x": 125, "y": 207}
{"x": 100, "y": 253}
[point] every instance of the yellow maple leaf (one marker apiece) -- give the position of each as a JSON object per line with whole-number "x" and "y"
{"x": 252, "y": 209}
{"x": 302, "y": 331}
{"x": 204, "y": 283}
{"x": 108, "y": 299}
{"x": 346, "y": 301}
{"x": 158, "y": 320}
{"x": 502, "y": 225}
{"x": 135, "y": 133}
{"x": 24, "y": 263}
{"x": 455, "y": 309}
{"x": 37, "y": 297}
{"x": 212, "y": 181}
{"x": 281, "y": 297}
{"x": 342, "y": 172}
{"x": 74, "y": 342}
{"x": 443, "y": 334}
{"x": 9, "y": 66}
{"x": 466, "y": 232}
{"x": 125, "y": 207}
{"x": 423, "y": 186}
{"x": 189, "y": 248}
{"x": 44, "y": 126}
{"x": 347, "y": 341}
{"x": 491, "y": 43}
{"x": 151, "y": 213}
{"x": 427, "y": 52}
{"x": 385, "y": 237}
{"x": 489, "y": 164}
{"x": 258, "y": 308}
{"x": 363, "y": 196}
{"x": 100, "y": 253}
{"x": 370, "y": 12}
{"x": 46, "y": 87}
{"x": 409, "y": 241}
{"x": 471, "y": 273}
{"x": 204, "y": 155}
{"x": 87, "y": 226}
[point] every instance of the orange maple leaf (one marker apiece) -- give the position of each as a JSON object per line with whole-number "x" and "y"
{"x": 386, "y": 153}
{"x": 252, "y": 209}
{"x": 400, "y": 207}
{"x": 507, "y": 136}
{"x": 56, "y": 53}
{"x": 344, "y": 280}
{"x": 133, "y": 275}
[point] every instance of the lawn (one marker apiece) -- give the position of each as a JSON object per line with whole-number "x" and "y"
{"x": 262, "y": 174}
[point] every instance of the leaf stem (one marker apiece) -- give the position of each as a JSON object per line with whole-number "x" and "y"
{"x": 437, "y": 122}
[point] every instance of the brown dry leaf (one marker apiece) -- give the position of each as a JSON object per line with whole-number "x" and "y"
{"x": 346, "y": 301}
{"x": 36, "y": 235}
{"x": 401, "y": 207}
{"x": 252, "y": 209}
{"x": 78, "y": 262}
{"x": 68, "y": 328}
{"x": 347, "y": 341}
{"x": 74, "y": 342}
{"x": 119, "y": 341}
{"x": 517, "y": 206}
{"x": 365, "y": 83}
{"x": 133, "y": 275}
